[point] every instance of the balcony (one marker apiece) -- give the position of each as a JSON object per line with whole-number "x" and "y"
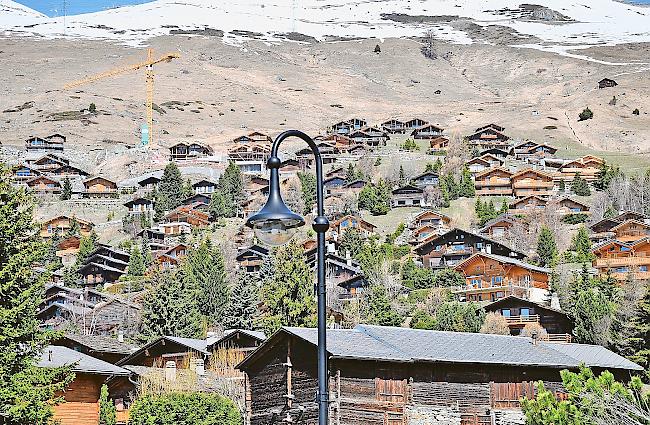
{"x": 494, "y": 192}
{"x": 492, "y": 183}
{"x": 532, "y": 185}
{"x": 637, "y": 260}
{"x": 558, "y": 338}
{"x": 522, "y": 320}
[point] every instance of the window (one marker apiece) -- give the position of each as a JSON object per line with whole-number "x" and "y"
{"x": 505, "y": 312}
{"x": 497, "y": 280}
{"x": 643, "y": 268}
{"x": 525, "y": 312}
{"x": 476, "y": 283}
{"x": 625, "y": 249}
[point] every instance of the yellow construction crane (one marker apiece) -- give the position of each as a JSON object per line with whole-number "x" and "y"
{"x": 148, "y": 64}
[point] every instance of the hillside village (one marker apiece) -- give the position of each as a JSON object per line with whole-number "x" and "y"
{"x": 486, "y": 235}
{"x": 486, "y": 182}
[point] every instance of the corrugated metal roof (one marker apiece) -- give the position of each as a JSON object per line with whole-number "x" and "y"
{"x": 56, "y": 356}
{"x": 414, "y": 345}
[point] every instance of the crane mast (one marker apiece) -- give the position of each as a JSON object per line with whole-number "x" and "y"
{"x": 148, "y": 65}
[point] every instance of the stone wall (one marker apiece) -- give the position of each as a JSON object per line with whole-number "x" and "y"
{"x": 427, "y": 415}
{"x": 509, "y": 417}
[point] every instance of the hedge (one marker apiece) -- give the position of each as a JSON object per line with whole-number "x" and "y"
{"x": 184, "y": 409}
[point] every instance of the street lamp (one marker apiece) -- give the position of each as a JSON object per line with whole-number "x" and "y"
{"x": 275, "y": 224}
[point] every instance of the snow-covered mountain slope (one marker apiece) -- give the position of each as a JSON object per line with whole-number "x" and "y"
{"x": 553, "y": 25}
{"x": 12, "y": 13}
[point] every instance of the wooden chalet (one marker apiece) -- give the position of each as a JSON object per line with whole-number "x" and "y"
{"x": 156, "y": 238}
{"x": 68, "y": 171}
{"x": 396, "y": 376}
{"x": 187, "y": 151}
{"x": 427, "y": 132}
{"x": 532, "y": 182}
{"x": 357, "y": 151}
{"x": 254, "y": 137}
{"x": 48, "y": 162}
{"x": 23, "y": 173}
{"x": 426, "y": 179}
{"x": 394, "y": 126}
{"x": 250, "y": 259}
{"x": 336, "y": 172}
{"x": 353, "y": 287}
{"x": 81, "y": 397}
{"x": 489, "y": 136}
{"x": 527, "y": 205}
{"x": 175, "y": 228}
{"x": 536, "y": 152}
{"x": 407, "y": 196}
{"x": 204, "y": 186}
{"x": 44, "y": 185}
{"x": 355, "y": 186}
{"x": 607, "y": 82}
{"x": 140, "y": 205}
{"x": 164, "y": 261}
{"x": 99, "y": 187}
{"x": 348, "y": 126}
{"x": 242, "y": 341}
{"x": 602, "y": 229}
{"x": 62, "y": 224}
{"x": 370, "y": 136}
{"x": 149, "y": 182}
{"x": 250, "y": 158}
{"x": 333, "y": 184}
{"x": 519, "y": 312}
{"x": 198, "y": 201}
{"x": 482, "y": 163}
{"x": 437, "y": 144}
{"x": 189, "y": 215}
{"x": 499, "y": 227}
{"x": 522, "y": 148}
{"x": 494, "y": 182}
{"x": 415, "y": 123}
{"x": 340, "y": 226}
{"x": 631, "y": 230}
{"x": 566, "y": 205}
{"x": 54, "y": 143}
{"x": 104, "y": 266}
{"x": 623, "y": 260}
{"x": 67, "y": 250}
{"x": 500, "y": 152}
{"x": 422, "y": 233}
{"x": 587, "y": 167}
{"x": 430, "y": 218}
{"x": 456, "y": 245}
{"x": 110, "y": 350}
{"x": 492, "y": 277}
{"x": 165, "y": 349}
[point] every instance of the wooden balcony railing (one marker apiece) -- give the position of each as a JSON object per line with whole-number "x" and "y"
{"x": 522, "y": 320}
{"x": 622, "y": 261}
{"x": 532, "y": 184}
{"x": 557, "y": 338}
{"x": 492, "y": 183}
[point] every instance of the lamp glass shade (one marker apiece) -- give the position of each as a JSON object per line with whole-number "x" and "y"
{"x": 275, "y": 232}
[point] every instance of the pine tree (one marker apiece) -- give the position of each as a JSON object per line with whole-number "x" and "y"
{"x": 455, "y": 316}
{"x": 75, "y": 228}
{"x": 289, "y": 294}
{"x": 206, "y": 268}
{"x": 402, "y": 176}
{"x": 562, "y": 186}
{"x": 170, "y": 193}
{"x": 579, "y": 186}
{"x": 382, "y": 199}
{"x": 66, "y": 192}
{"x": 27, "y": 392}
{"x": 171, "y": 307}
{"x": 217, "y": 206}
{"x": 308, "y": 187}
{"x": 242, "y": 307}
{"x": 231, "y": 186}
{"x": 380, "y": 312}
{"x": 351, "y": 242}
{"x": 546, "y": 247}
{"x": 188, "y": 189}
{"x": 350, "y": 173}
{"x": 504, "y": 207}
{"x": 467, "y": 189}
{"x": 581, "y": 245}
{"x": 451, "y": 186}
{"x": 106, "y": 407}
{"x": 136, "y": 263}
{"x": 145, "y": 248}
{"x": 640, "y": 339}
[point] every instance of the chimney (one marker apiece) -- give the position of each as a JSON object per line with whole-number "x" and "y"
{"x": 534, "y": 335}
{"x": 488, "y": 248}
{"x": 170, "y": 371}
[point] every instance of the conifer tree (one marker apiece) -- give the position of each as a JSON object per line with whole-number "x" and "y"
{"x": 107, "y": 409}
{"x": 75, "y": 228}
{"x": 350, "y": 173}
{"x": 467, "y": 189}
{"x": 546, "y": 247}
{"x": 188, "y": 189}
{"x": 402, "y": 176}
{"x": 562, "y": 186}
{"x": 66, "y": 192}
{"x": 289, "y": 294}
{"x": 504, "y": 207}
{"x": 136, "y": 263}
{"x": 382, "y": 199}
{"x": 308, "y": 187}
{"x": 146, "y": 252}
{"x": 171, "y": 190}
{"x": 217, "y": 205}
{"x": 27, "y": 392}
{"x": 242, "y": 307}
{"x": 205, "y": 267}
{"x": 579, "y": 186}
{"x": 451, "y": 186}
{"x": 380, "y": 312}
{"x": 581, "y": 245}
{"x": 231, "y": 186}
{"x": 351, "y": 242}
{"x": 171, "y": 307}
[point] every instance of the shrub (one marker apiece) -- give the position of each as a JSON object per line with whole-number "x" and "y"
{"x": 495, "y": 324}
{"x": 636, "y": 111}
{"x": 586, "y": 114}
{"x": 575, "y": 218}
{"x": 184, "y": 409}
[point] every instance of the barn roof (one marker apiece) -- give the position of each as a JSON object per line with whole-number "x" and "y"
{"x": 56, "y": 356}
{"x": 101, "y": 344}
{"x": 384, "y": 343}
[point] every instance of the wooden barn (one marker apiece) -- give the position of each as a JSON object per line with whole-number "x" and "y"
{"x": 105, "y": 348}
{"x": 81, "y": 406}
{"x": 398, "y": 376}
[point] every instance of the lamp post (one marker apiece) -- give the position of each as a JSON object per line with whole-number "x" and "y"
{"x": 275, "y": 224}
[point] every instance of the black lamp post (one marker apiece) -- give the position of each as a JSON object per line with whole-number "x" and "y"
{"x": 275, "y": 224}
